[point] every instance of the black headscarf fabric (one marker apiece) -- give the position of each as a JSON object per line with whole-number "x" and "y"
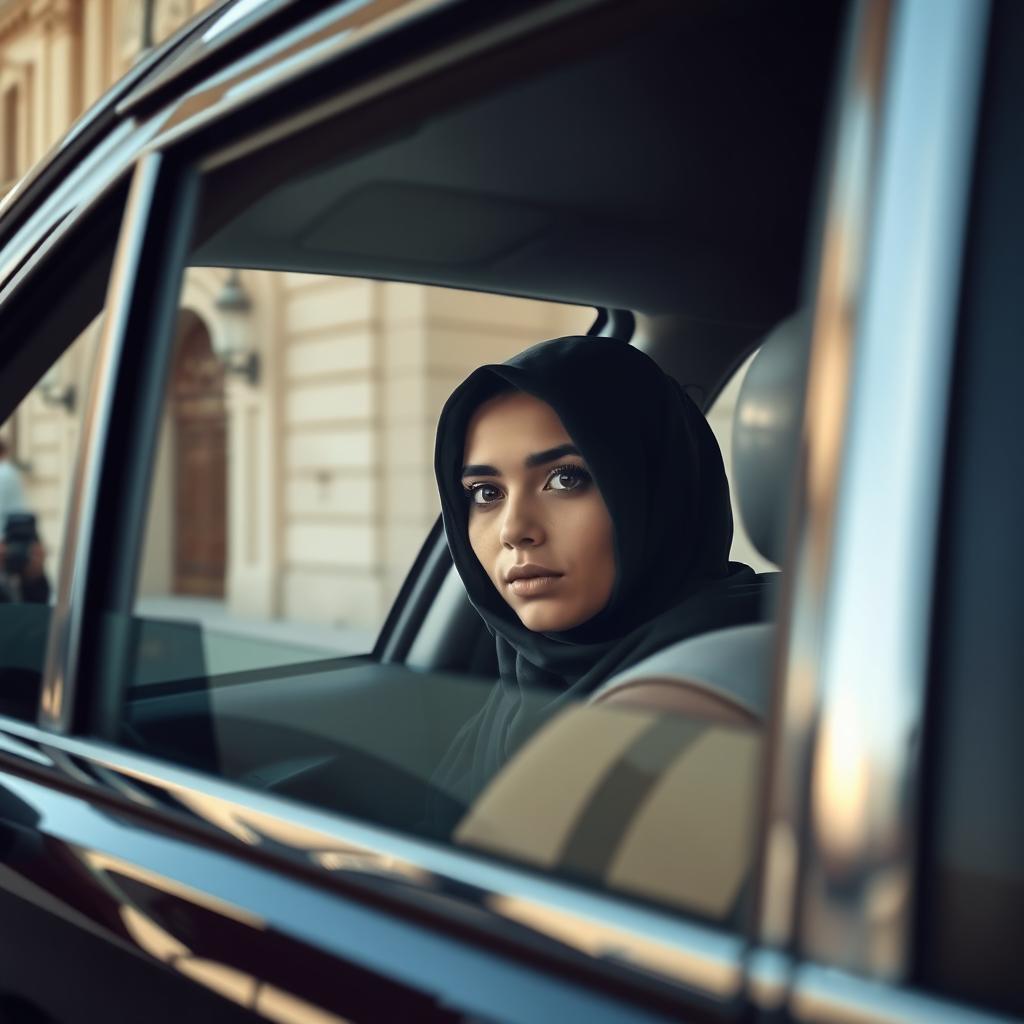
{"x": 659, "y": 470}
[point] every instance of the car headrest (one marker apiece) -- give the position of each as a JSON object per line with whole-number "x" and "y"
{"x": 766, "y": 433}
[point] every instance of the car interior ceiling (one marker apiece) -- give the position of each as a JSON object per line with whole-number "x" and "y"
{"x": 672, "y": 175}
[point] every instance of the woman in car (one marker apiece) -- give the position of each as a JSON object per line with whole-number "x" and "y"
{"x": 587, "y": 511}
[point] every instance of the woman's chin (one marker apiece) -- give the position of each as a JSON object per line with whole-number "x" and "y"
{"x": 540, "y": 619}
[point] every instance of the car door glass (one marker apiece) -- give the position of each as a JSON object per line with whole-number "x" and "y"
{"x": 339, "y": 282}
{"x": 293, "y": 483}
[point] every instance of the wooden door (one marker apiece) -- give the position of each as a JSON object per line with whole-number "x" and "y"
{"x": 200, "y": 457}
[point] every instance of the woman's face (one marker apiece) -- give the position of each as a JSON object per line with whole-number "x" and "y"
{"x": 537, "y": 522}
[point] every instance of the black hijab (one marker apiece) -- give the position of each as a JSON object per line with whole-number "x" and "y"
{"x": 660, "y": 472}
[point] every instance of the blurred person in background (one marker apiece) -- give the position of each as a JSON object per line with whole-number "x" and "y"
{"x": 22, "y": 556}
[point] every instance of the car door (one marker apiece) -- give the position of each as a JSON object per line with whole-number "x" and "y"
{"x": 165, "y": 880}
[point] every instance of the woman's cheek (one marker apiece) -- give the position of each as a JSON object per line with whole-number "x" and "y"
{"x": 484, "y": 540}
{"x": 477, "y": 538}
{"x": 594, "y": 543}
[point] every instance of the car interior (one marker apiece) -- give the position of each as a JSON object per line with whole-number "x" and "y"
{"x": 676, "y": 193}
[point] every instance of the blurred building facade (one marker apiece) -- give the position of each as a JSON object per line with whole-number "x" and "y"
{"x": 58, "y": 56}
{"x": 324, "y": 453}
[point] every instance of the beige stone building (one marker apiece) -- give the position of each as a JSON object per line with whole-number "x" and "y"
{"x": 289, "y": 499}
{"x": 329, "y": 447}
{"x": 58, "y": 56}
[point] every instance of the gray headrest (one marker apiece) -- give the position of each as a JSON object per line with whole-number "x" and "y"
{"x": 733, "y": 663}
{"x": 766, "y": 433}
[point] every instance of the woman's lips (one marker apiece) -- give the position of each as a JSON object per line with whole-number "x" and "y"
{"x": 531, "y": 580}
{"x": 532, "y": 586}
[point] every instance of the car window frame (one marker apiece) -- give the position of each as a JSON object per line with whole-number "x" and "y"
{"x": 702, "y": 966}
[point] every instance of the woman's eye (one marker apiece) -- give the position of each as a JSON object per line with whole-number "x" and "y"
{"x": 483, "y": 494}
{"x": 568, "y": 478}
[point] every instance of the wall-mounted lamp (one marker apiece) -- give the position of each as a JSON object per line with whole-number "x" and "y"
{"x": 54, "y": 391}
{"x": 232, "y": 338}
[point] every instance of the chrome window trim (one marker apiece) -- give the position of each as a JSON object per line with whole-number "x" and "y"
{"x": 212, "y": 101}
{"x": 191, "y": 58}
{"x": 696, "y": 959}
{"x": 841, "y": 264}
{"x": 858, "y": 636}
{"x": 826, "y": 995}
{"x": 819, "y": 994}
{"x": 61, "y": 670}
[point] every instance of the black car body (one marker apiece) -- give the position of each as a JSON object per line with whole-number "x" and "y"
{"x": 702, "y": 171}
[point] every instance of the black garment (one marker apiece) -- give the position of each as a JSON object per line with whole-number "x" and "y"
{"x": 660, "y": 472}
{"x": 25, "y": 589}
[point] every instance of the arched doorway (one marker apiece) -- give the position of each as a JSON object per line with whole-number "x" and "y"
{"x": 199, "y": 421}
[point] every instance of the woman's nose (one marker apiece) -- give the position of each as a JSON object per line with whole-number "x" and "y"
{"x": 521, "y": 526}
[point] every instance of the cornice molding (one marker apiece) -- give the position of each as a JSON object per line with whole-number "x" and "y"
{"x": 14, "y": 16}
{"x": 53, "y": 14}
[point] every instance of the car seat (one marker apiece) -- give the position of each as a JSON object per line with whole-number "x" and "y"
{"x": 726, "y": 674}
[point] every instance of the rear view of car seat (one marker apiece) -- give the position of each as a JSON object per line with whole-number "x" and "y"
{"x": 726, "y": 674}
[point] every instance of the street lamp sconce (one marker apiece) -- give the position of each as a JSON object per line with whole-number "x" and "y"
{"x": 54, "y": 391}
{"x": 232, "y": 338}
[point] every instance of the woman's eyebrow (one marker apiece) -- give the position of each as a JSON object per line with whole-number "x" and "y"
{"x": 477, "y": 469}
{"x": 540, "y": 458}
{"x": 536, "y": 459}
